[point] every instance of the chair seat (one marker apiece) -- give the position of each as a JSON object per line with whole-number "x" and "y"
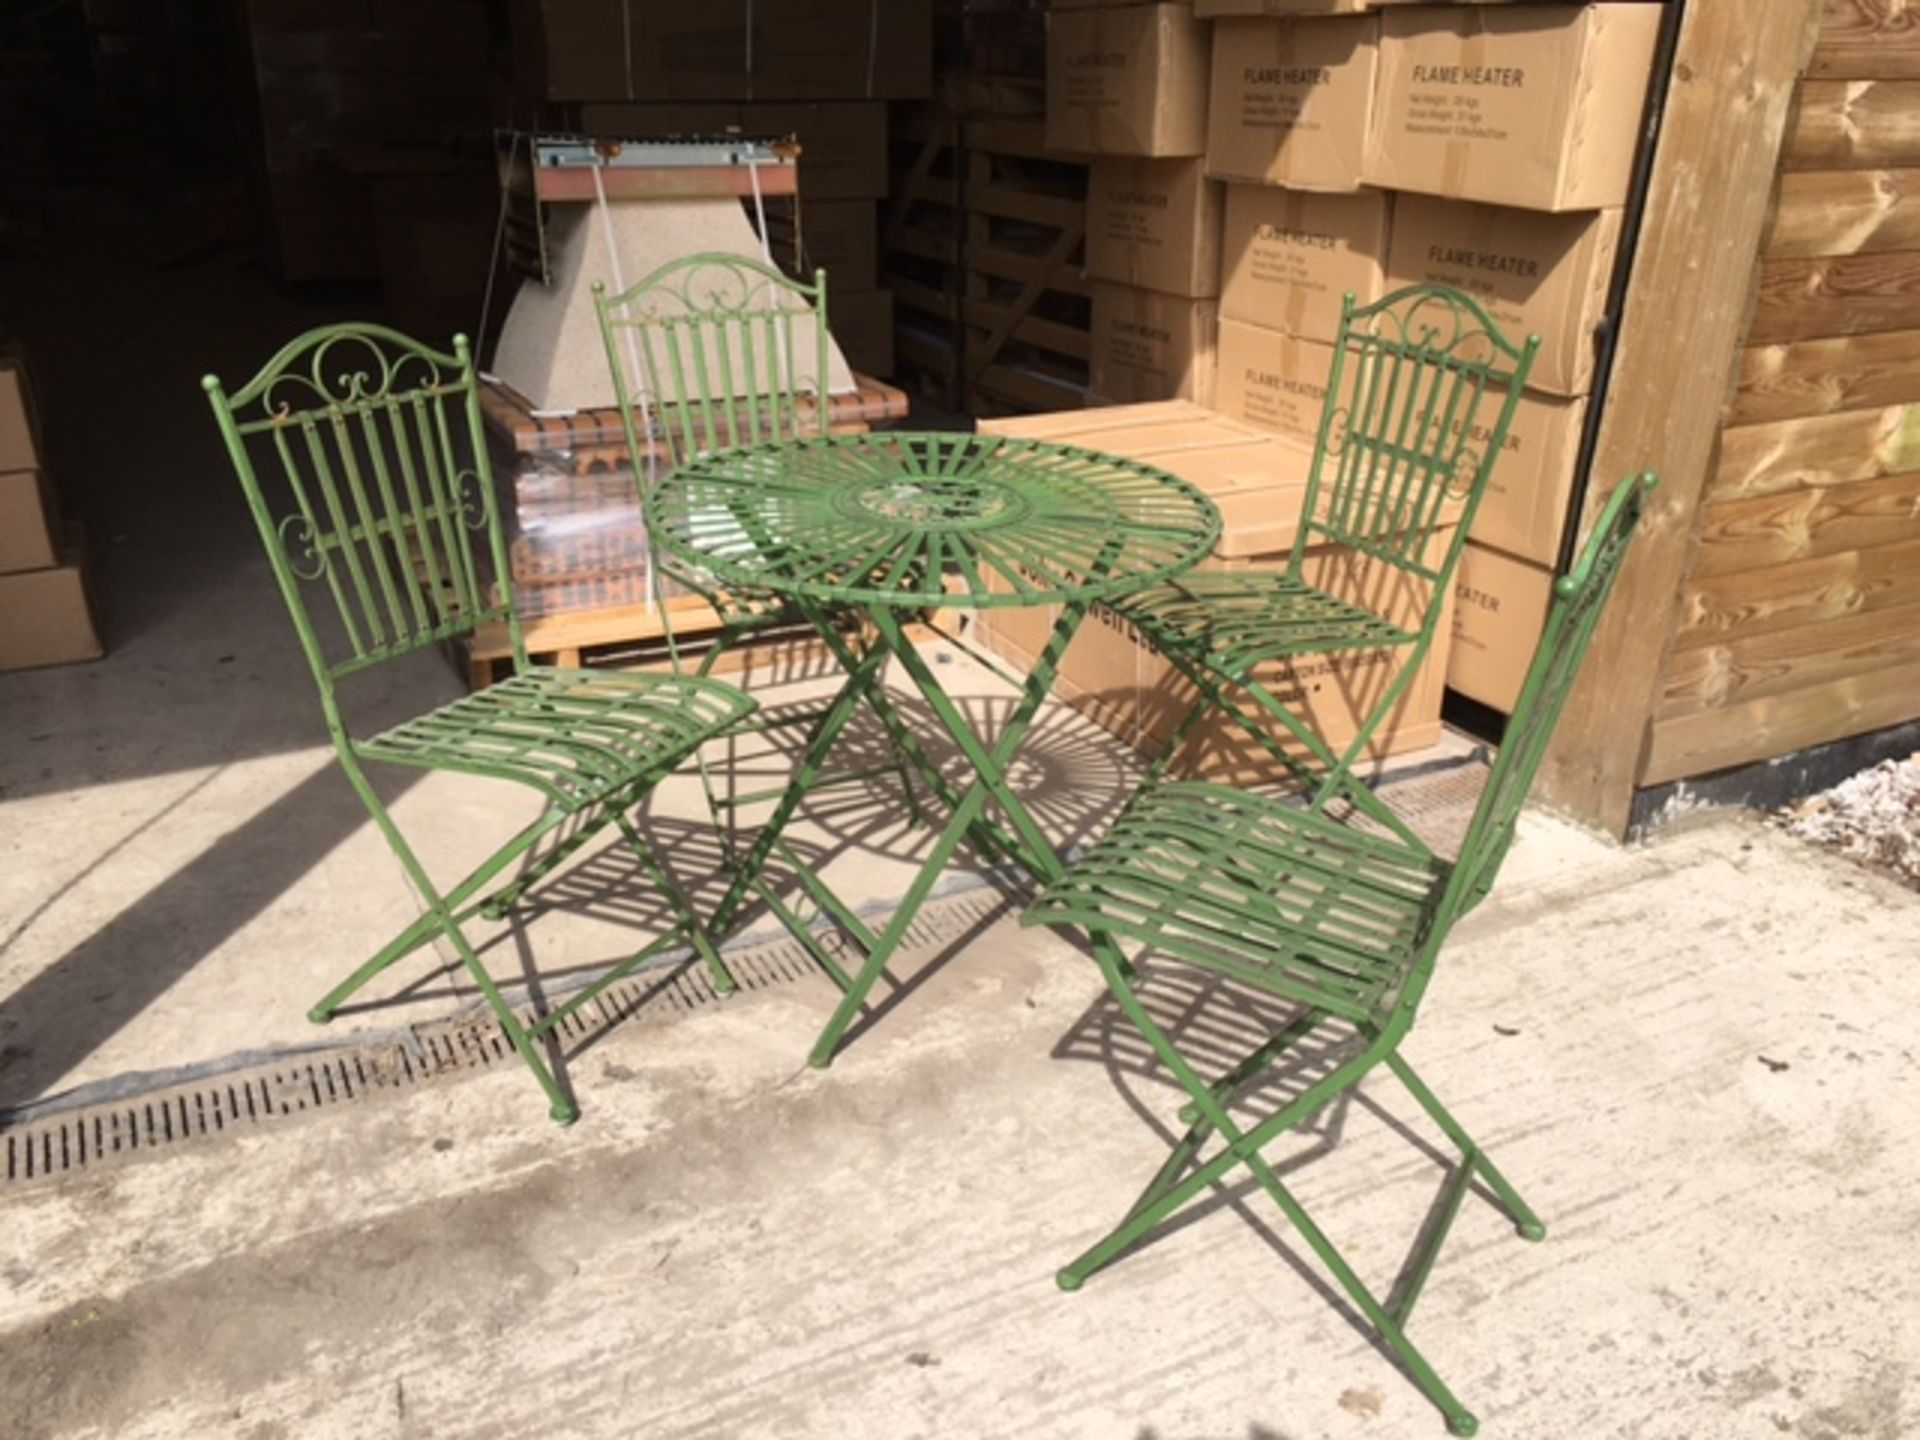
{"x": 1268, "y": 894}
{"x": 1234, "y": 619}
{"x": 577, "y": 735}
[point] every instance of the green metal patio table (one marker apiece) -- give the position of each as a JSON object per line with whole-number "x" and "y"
{"x": 896, "y": 524}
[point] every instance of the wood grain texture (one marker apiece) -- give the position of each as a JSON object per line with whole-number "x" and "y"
{"x": 1802, "y": 524}
{"x": 1713, "y": 676}
{"x": 1794, "y": 379}
{"x": 1837, "y": 295}
{"x": 1712, "y": 181}
{"x": 1854, "y": 125}
{"x": 1867, "y": 40}
{"x": 1816, "y": 452}
{"x": 1806, "y": 592}
{"x": 1845, "y": 212}
{"x": 1709, "y": 740}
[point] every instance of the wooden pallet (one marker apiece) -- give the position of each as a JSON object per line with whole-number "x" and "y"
{"x": 633, "y": 637}
{"x": 983, "y": 246}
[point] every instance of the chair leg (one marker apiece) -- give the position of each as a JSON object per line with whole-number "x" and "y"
{"x": 1530, "y": 1225}
{"x": 657, "y": 871}
{"x": 559, "y": 1106}
{"x": 420, "y": 932}
{"x": 497, "y": 905}
{"x": 1165, "y": 1196}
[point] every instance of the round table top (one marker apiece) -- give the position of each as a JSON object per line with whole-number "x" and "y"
{"x": 885, "y": 519}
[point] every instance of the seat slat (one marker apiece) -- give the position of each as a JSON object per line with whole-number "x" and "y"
{"x": 1254, "y": 888}
{"x": 577, "y": 737}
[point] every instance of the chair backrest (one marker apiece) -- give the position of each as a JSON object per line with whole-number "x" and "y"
{"x": 1420, "y": 398}
{"x": 365, "y": 466}
{"x": 716, "y": 351}
{"x": 1579, "y": 597}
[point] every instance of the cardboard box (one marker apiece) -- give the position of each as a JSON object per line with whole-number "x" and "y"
{"x": 1227, "y": 9}
{"x": 1500, "y": 612}
{"x": 841, "y": 237}
{"x": 843, "y": 148}
{"x": 46, "y": 616}
{"x": 1536, "y": 274}
{"x": 1273, "y": 380}
{"x": 29, "y": 521}
{"x": 862, "y": 321}
{"x": 842, "y": 49}
{"x": 724, "y": 50}
{"x": 1530, "y": 105}
{"x": 1127, "y": 82}
{"x": 1524, "y": 510}
{"x": 1257, "y": 479}
{"x": 19, "y": 419}
{"x": 1155, "y": 224}
{"x": 1259, "y": 482}
{"x": 1291, "y": 101}
{"x": 1149, "y": 346}
{"x": 1290, "y": 256}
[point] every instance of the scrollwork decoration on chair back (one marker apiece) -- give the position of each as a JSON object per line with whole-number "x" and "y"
{"x": 369, "y": 443}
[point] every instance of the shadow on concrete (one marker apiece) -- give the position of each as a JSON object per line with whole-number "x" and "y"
{"x": 1214, "y": 1023}
{"x": 59, "y": 1017}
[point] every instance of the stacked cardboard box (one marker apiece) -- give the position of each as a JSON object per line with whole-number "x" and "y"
{"x": 1129, "y": 85}
{"x": 1153, "y": 246}
{"x": 46, "y": 617}
{"x": 1365, "y": 145}
{"x": 1516, "y": 125}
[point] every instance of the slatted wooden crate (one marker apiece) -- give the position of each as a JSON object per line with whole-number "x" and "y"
{"x": 983, "y": 247}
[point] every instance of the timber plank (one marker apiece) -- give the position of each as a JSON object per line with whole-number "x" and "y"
{"x": 1709, "y": 677}
{"x": 1854, "y": 124}
{"x": 1772, "y": 725}
{"x": 1802, "y": 299}
{"x": 1845, "y": 212}
{"x": 1867, "y": 40}
{"x": 1818, "y": 451}
{"x": 1801, "y": 524}
{"x": 1735, "y": 63}
{"x": 1805, "y": 592}
{"x": 1794, "y": 379}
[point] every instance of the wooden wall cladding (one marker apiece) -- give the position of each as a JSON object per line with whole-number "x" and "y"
{"x": 1799, "y": 619}
{"x": 1866, "y": 40}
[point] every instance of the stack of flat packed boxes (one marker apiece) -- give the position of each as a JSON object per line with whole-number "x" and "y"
{"x": 45, "y": 614}
{"x": 821, "y": 70}
{"x": 1363, "y": 147}
{"x": 1127, "y": 85}
{"x": 1512, "y": 131}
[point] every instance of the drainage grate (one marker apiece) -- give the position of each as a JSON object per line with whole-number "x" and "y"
{"x": 81, "y": 1132}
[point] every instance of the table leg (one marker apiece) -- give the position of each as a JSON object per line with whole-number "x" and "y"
{"x": 989, "y": 782}
{"x": 859, "y": 682}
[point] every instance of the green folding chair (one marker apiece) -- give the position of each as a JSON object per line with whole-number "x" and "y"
{"x": 381, "y": 483}
{"x": 1405, "y": 445}
{"x": 708, "y": 352}
{"x": 1344, "y": 925}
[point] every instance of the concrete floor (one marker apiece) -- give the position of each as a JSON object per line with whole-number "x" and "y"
{"x": 1691, "y": 1056}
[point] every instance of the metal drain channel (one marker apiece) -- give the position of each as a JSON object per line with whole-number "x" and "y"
{"x": 74, "y": 1134}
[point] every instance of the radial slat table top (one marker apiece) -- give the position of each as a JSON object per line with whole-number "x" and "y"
{"x": 887, "y": 518}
